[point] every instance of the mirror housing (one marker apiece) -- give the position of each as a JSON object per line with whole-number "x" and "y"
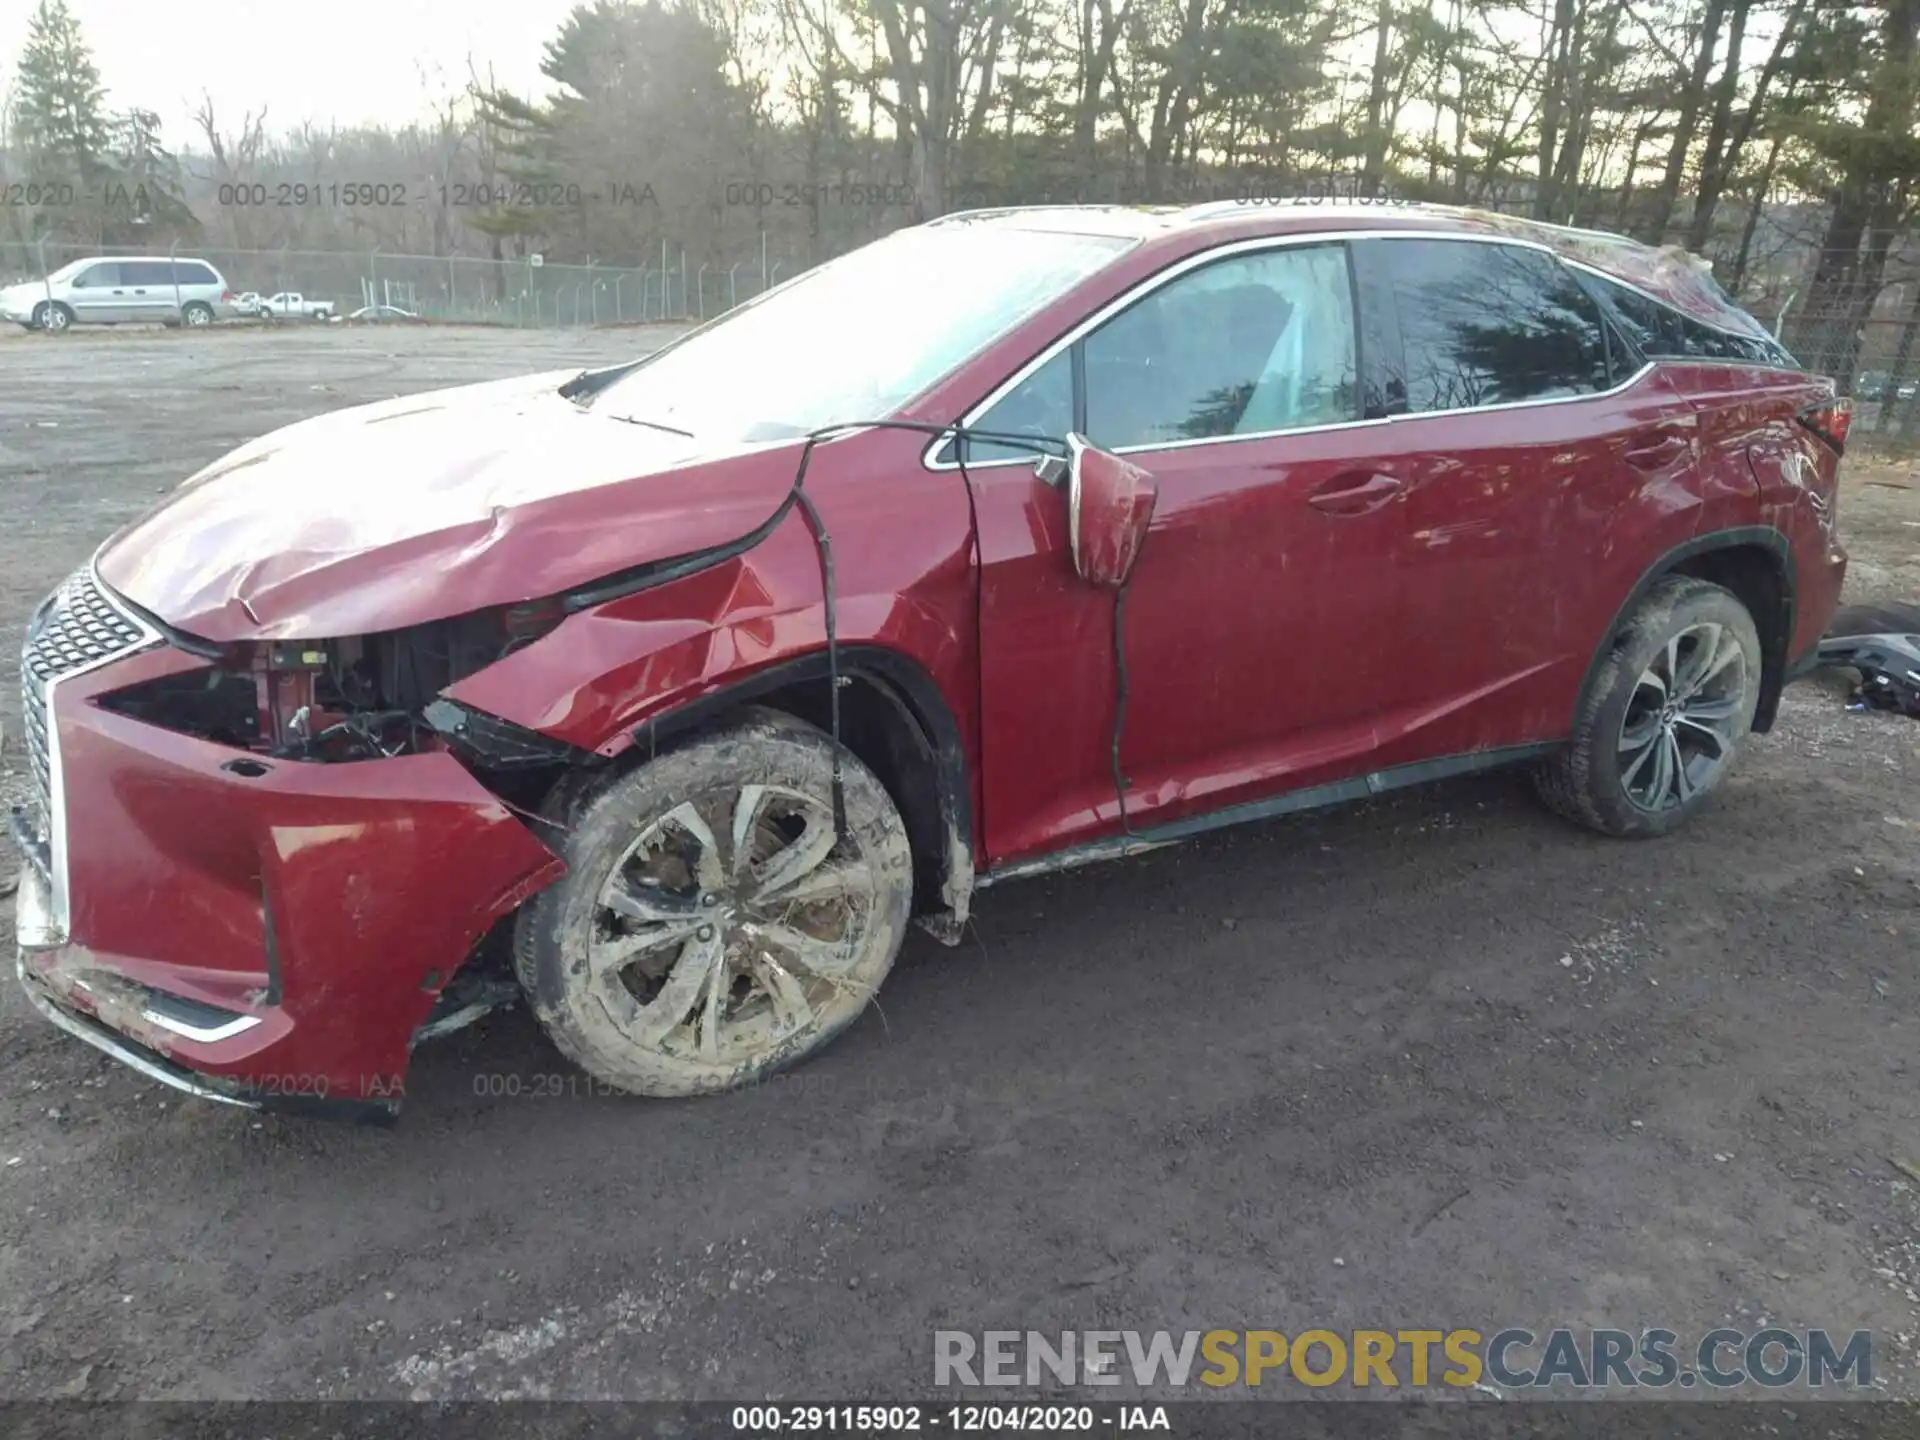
{"x": 1109, "y": 507}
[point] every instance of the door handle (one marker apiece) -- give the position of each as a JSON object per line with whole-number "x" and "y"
{"x": 139, "y": 292}
{"x": 1355, "y": 495}
{"x": 119, "y": 292}
{"x": 1657, "y": 454}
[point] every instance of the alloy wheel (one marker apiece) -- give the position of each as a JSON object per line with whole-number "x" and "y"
{"x": 1683, "y": 717}
{"x": 733, "y": 923}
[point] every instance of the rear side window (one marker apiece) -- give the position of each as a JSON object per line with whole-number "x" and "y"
{"x": 1660, "y": 332}
{"x": 192, "y": 272}
{"x": 1490, "y": 324}
{"x": 146, "y": 272}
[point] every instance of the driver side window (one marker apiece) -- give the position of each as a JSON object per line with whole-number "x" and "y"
{"x": 1040, "y": 405}
{"x": 1241, "y": 346}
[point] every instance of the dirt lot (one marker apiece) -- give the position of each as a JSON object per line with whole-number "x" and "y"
{"x": 1435, "y": 1061}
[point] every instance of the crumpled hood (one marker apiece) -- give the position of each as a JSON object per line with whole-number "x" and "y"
{"x": 428, "y": 506}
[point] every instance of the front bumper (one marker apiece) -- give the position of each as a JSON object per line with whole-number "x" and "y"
{"x": 272, "y": 935}
{"x": 157, "y": 1066}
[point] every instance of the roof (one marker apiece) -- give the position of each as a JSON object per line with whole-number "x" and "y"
{"x": 1667, "y": 273}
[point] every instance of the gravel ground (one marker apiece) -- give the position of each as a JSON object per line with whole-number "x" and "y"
{"x": 1434, "y": 1060}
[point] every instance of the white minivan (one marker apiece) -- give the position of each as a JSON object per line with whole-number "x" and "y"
{"x": 120, "y": 290}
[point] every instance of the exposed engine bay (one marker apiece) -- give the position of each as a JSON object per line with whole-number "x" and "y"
{"x": 336, "y": 701}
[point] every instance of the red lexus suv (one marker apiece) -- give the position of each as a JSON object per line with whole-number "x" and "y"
{"x": 666, "y": 695}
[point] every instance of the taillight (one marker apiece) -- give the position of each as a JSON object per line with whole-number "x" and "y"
{"x": 228, "y": 296}
{"x": 1830, "y": 422}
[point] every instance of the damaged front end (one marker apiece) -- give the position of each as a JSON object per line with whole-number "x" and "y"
{"x": 254, "y": 871}
{"x": 330, "y": 700}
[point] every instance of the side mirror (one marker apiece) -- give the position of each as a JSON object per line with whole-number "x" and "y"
{"x": 1109, "y": 507}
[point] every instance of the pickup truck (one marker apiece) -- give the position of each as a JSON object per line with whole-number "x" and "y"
{"x": 291, "y": 305}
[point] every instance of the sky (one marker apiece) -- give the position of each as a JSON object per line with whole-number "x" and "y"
{"x": 343, "y": 62}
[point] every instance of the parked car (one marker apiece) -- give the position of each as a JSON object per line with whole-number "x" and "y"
{"x": 382, "y": 312}
{"x": 1009, "y": 542}
{"x": 249, "y": 304}
{"x": 1879, "y": 385}
{"x": 292, "y": 305}
{"x": 120, "y": 290}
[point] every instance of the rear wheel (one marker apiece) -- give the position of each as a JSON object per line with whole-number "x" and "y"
{"x": 196, "y": 313}
{"x": 713, "y": 926}
{"x": 1669, "y": 706}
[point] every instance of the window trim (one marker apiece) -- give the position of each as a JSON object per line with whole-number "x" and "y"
{"x": 1377, "y": 273}
{"x": 1126, "y": 300}
{"x": 1165, "y": 276}
{"x": 1597, "y": 273}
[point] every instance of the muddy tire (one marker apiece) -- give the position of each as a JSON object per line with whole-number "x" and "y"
{"x": 1669, "y": 706}
{"x": 712, "y": 927}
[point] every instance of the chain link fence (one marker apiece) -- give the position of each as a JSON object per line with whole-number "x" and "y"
{"x": 460, "y": 289}
{"x": 1868, "y": 341}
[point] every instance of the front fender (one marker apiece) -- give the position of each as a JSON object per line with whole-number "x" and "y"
{"x": 598, "y": 679}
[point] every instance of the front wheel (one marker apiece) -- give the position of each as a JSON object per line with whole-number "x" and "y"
{"x": 1668, "y": 707}
{"x": 52, "y": 317}
{"x": 713, "y": 927}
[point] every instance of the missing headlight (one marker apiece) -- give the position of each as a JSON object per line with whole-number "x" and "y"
{"x": 358, "y": 698}
{"x": 217, "y": 705}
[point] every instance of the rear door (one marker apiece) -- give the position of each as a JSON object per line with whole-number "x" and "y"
{"x": 1525, "y": 432}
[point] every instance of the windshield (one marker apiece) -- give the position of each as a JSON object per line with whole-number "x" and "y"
{"x": 858, "y": 337}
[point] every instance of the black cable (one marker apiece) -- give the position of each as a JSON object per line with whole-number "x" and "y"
{"x": 823, "y": 546}
{"x": 1120, "y": 781}
{"x": 823, "y": 543}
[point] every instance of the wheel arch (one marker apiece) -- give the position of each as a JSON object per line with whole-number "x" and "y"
{"x": 896, "y": 720}
{"x": 1755, "y": 563}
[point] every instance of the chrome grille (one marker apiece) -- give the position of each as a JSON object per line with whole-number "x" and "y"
{"x": 33, "y": 706}
{"x": 76, "y": 628}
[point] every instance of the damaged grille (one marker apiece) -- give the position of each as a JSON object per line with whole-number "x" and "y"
{"x": 76, "y": 628}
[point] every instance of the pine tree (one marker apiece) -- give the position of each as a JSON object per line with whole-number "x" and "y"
{"x": 59, "y": 119}
{"x": 143, "y": 199}
{"x": 520, "y": 143}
